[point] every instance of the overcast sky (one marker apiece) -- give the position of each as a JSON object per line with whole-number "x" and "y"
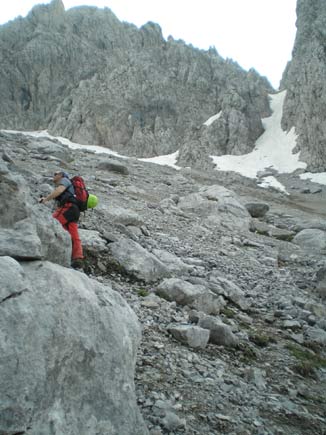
{"x": 255, "y": 33}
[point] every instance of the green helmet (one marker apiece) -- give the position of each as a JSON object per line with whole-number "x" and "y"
{"x": 92, "y": 201}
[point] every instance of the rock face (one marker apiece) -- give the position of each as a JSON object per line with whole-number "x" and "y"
{"x": 86, "y": 76}
{"x": 224, "y": 310}
{"x": 69, "y": 346}
{"x": 28, "y": 232}
{"x": 304, "y": 80}
{"x": 217, "y": 206}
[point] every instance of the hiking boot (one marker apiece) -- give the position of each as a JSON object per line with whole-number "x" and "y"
{"x": 77, "y": 263}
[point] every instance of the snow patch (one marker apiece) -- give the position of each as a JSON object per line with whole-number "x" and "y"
{"x": 74, "y": 146}
{"x": 212, "y": 119}
{"x": 273, "y": 148}
{"x": 168, "y": 160}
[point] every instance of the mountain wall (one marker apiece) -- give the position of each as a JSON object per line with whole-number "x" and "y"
{"x": 85, "y": 75}
{"x": 304, "y": 79}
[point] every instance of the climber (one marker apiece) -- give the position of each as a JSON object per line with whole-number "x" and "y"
{"x": 67, "y": 213}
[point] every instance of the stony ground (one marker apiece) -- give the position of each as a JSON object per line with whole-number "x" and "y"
{"x": 273, "y": 381}
{"x": 267, "y": 384}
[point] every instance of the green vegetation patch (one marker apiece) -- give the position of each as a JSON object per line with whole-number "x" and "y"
{"x": 308, "y": 362}
{"x": 227, "y": 312}
{"x": 142, "y": 292}
{"x": 261, "y": 340}
{"x": 307, "y": 356}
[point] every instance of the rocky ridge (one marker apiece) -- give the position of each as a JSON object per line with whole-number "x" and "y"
{"x": 227, "y": 280}
{"x": 84, "y": 75}
{"x": 304, "y": 80}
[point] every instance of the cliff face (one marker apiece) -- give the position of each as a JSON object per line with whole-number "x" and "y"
{"x": 86, "y": 76}
{"x": 304, "y": 79}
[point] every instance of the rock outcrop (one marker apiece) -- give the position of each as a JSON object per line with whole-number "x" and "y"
{"x": 68, "y": 343}
{"x": 68, "y": 347}
{"x": 304, "y": 80}
{"x": 224, "y": 308}
{"x": 86, "y": 76}
{"x": 26, "y": 231}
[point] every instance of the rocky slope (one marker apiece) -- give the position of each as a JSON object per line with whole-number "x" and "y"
{"x": 86, "y": 76}
{"x": 227, "y": 280}
{"x": 304, "y": 80}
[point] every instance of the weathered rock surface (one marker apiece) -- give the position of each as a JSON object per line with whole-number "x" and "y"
{"x": 68, "y": 347}
{"x": 219, "y": 333}
{"x": 217, "y": 206}
{"x": 194, "y": 336}
{"x": 263, "y": 295}
{"x": 28, "y": 232}
{"x": 257, "y": 210}
{"x": 112, "y": 84}
{"x": 185, "y": 293}
{"x": 137, "y": 261}
{"x": 304, "y": 106}
{"x": 311, "y": 240}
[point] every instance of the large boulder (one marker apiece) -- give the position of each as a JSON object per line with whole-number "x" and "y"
{"x": 257, "y": 209}
{"x": 193, "y": 295}
{"x": 49, "y": 149}
{"x": 27, "y": 229}
{"x": 172, "y": 262}
{"x": 137, "y": 261}
{"x": 220, "y": 333}
{"x": 119, "y": 215}
{"x": 67, "y": 354}
{"x": 113, "y": 166}
{"x": 311, "y": 240}
{"x": 193, "y": 336}
{"x": 223, "y": 286}
{"x": 217, "y": 206}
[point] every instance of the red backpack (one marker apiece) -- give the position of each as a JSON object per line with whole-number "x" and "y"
{"x": 81, "y": 192}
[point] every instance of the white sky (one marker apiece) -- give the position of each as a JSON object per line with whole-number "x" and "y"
{"x": 254, "y": 33}
{"x": 273, "y": 149}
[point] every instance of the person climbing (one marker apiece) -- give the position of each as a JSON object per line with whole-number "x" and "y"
{"x": 67, "y": 213}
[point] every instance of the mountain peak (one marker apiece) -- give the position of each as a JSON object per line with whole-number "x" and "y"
{"x": 49, "y": 14}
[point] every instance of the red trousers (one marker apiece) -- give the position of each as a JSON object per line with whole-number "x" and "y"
{"x": 68, "y": 216}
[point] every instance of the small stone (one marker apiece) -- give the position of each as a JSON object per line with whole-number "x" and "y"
{"x": 291, "y": 324}
{"x": 172, "y": 422}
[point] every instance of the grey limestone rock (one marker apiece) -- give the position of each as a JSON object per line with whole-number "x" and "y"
{"x": 80, "y": 375}
{"x": 304, "y": 80}
{"x": 311, "y": 240}
{"x": 193, "y": 295}
{"x": 113, "y": 166}
{"x": 27, "y": 230}
{"x": 220, "y": 333}
{"x": 257, "y": 210}
{"x": 229, "y": 290}
{"x": 21, "y": 241}
{"x": 217, "y": 206}
{"x": 137, "y": 261}
{"x": 129, "y": 89}
{"x": 194, "y": 336}
{"x": 174, "y": 263}
{"x": 121, "y": 215}
{"x": 12, "y": 278}
{"x": 321, "y": 282}
{"x": 92, "y": 240}
{"x": 271, "y": 230}
{"x": 67, "y": 344}
{"x": 315, "y": 335}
